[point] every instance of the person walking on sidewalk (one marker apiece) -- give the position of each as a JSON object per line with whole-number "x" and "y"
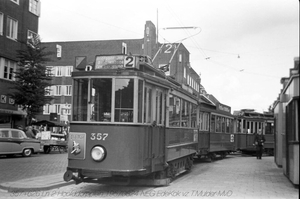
{"x": 259, "y": 141}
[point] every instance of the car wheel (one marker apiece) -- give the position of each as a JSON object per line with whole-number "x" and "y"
{"x": 27, "y": 152}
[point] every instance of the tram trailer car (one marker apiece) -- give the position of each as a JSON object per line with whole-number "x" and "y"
{"x": 248, "y": 124}
{"x": 216, "y": 130}
{"x": 130, "y": 124}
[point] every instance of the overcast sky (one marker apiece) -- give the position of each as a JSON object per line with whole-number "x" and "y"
{"x": 242, "y": 51}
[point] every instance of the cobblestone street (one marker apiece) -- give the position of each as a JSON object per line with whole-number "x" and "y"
{"x": 18, "y": 167}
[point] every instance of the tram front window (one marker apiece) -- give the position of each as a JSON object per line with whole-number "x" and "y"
{"x": 80, "y": 99}
{"x": 101, "y": 99}
{"x": 124, "y": 100}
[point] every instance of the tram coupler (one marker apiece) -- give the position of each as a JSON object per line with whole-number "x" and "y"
{"x": 68, "y": 175}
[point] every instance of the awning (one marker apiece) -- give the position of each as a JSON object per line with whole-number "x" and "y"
{"x": 12, "y": 112}
{"x": 48, "y": 123}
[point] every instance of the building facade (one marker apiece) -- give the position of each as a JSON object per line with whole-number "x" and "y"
{"x": 18, "y": 22}
{"x": 286, "y": 112}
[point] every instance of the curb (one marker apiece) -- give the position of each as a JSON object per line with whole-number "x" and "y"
{"x": 11, "y": 188}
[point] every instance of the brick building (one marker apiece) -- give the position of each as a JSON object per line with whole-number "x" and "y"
{"x": 18, "y": 22}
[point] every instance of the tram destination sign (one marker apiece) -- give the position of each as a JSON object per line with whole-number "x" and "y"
{"x": 115, "y": 62}
{"x": 224, "y": 108}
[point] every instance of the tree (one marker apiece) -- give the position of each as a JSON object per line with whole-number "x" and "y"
{"x": 32, "y": 78}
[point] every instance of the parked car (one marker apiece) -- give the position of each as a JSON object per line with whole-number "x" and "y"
{"x": 15, "y": 141}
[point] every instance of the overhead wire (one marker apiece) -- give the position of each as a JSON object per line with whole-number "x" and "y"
{"x": 208, "y": 58}
{"x": 186, "y": 31}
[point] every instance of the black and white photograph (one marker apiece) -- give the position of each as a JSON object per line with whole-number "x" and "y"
{"x": 210, "y": 107}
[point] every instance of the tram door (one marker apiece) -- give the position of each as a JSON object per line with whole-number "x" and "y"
{"x": 154, "y": 117}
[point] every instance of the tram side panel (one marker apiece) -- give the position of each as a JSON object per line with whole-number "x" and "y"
{"x": 203, "y": 143}
{"x": 180, "y": 142}
{"x": 244, "y": 143}
{"x": 221, "y": 142}
{"x": 130, "y": 150}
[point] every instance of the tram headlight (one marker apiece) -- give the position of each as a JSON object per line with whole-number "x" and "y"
{"x": 98, "y": 153}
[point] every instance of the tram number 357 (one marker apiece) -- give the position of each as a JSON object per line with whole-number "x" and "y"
{"x": 99, "y": 136}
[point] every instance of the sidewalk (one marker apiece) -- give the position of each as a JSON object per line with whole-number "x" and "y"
{"x": 41, "y": 183}
{"x": 242, "y": 176}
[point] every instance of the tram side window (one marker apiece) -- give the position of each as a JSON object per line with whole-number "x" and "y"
{"x": 185, "y": 114}
{"x": 124, "y": 89}
{"x": 159, "y": 107}
{"x": 213, "y": 123}
{"x": 201, "y": 120}
{"x": 174, "y": 111}
{"x": 204, "y": 121}
{"x": 194, "y": 116}
{"x": 101, "y": 99}
{"x": 80, "y": 96}
{"x": 147, "y": 105}
{"x": 140, "y": 103}
{"x": 238, "y": 126}
{"x": 269, "y": 128}
{"x": 228, "y": 125}
{"x": 223, "y": 124}
{"x": 218, "y": 124}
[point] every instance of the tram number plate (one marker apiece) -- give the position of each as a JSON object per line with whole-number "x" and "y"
{"x": 99, "y": 136}
{"x": 231, "y": 137}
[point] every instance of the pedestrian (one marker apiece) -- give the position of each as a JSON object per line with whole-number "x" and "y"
{"x": 259, "y": 141}
{"x": 38, "y": 134}
{"x": 29, "y": 132}
{"x": 34, "y": 130}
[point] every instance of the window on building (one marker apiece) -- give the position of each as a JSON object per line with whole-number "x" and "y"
{"x": 34, "y": 7}
{"x": 1, "y": 23}
{"x": 15, "y": 1}
{"x": 50, "y": 71}
{"x": 48, "y": 90}
{"x": 180, "y": 58}
{"x": 68, "y": 109}
{"x": 58, "y": 90}
{"x": 31, "y": 34}
{"x": 8, "y": 69}
{"x": 68, "y": 90}
{"x": 69, "y": 70}
{"x": 58, "y": 71}
{"x": 184, "y": 72}
{"x": 57, "y": 108}
{"x": 292, "y": 118}
{"x": 12, "y": 28}
{"x": 46, "y": 109}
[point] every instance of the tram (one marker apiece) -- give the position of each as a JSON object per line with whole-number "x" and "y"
{"x": 248, "y": 123}
{"x": 216, "y": 130}
{"x": 130, "y": 124}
